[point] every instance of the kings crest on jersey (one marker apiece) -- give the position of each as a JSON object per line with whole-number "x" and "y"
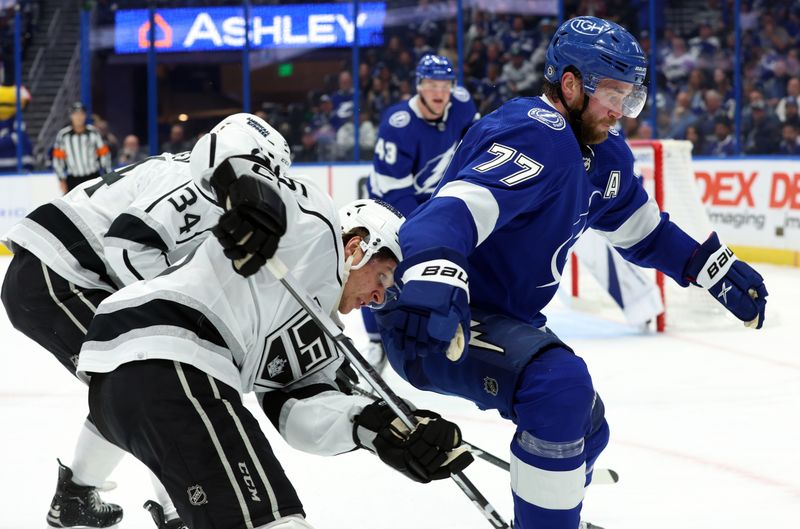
{"x": 411, "y": 153}
{"x": 518, "y": 189}
{"x": 249, "y": 332}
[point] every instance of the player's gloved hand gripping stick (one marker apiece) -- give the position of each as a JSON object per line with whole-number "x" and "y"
{"x": 432, "y": 315}
{"x": 398, "y": 406}
{"x": 255, "y": 216}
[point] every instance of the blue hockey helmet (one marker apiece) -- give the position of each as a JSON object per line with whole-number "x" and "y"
{"x": 436, "y": 67}
{"x": 599, "y": 49}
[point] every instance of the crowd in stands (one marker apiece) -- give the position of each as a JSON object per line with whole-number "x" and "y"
{"x": 504, "y": 57}
{"x": 697, "y": 99}
{"x": 29, "y": 18}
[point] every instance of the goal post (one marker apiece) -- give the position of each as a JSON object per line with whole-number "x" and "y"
{"x": 668, "y": 177}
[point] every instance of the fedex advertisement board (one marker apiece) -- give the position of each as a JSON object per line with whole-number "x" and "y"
{"x": 182, "y": 30}
{"x": 755, "y": 202}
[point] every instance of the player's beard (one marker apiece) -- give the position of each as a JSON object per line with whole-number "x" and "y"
{"x": 594, "y": 130}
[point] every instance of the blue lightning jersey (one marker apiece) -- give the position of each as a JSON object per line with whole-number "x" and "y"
{"x": 411, "y": 154}
{"x": 518, "y": 194}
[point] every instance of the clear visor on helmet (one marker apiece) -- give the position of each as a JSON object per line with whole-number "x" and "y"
{"x": 391, "y": 292}
{"x": 624, "y": 98}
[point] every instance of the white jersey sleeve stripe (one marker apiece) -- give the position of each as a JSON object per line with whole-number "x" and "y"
{"x": 548, "y": 489}
{"x": 638, "y": 226}
{"x": 481, "y": 204}
{"x": 382, "y": 184}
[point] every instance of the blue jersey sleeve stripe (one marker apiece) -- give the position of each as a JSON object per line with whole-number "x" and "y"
{"x": 479, "y": 201}
{"x": 382, "y": 183}
{"x": 638, "y": 226}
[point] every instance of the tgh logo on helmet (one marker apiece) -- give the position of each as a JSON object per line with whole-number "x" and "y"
{"x": 587, "y": 26}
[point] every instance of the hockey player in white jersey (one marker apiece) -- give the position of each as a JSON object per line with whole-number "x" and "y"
{"x": 170, "y": 357}
{"x": 73, "y": 252}
{"x": 416, "y": 141}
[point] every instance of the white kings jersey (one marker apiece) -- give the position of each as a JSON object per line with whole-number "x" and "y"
{"x": 127, "y": 225}
{"x": 248, "y": 333}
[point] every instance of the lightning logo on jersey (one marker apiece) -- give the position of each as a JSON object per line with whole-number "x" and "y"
{"x": 412, "y": 154}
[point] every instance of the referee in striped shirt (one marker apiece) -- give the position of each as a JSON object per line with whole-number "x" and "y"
{"x": 79, "y": 153}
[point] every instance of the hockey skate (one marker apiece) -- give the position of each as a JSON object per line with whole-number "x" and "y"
{"x": 157, "y": 512}
{"x": 587, "y": 525}
{"x": 79, "y": 505}
{"x": 375, "y": 355}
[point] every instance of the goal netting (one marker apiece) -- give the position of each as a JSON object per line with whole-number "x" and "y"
{"x": 666, "y": 166}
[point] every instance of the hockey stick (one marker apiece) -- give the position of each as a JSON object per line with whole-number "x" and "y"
{"x": 600, "y": 476}
{"x": 399, "y": 406}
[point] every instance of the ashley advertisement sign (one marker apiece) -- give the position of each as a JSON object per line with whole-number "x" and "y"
{"x": 223, "y": 28}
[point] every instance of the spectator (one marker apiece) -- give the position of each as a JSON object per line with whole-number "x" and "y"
{"x": 722, "y": 84}
{"x": 790, "y": 144}
{"x": 643, "y": 131}
{"x": 421, "y": 46}
{"x": 379, "y": 98}
{"x": 324, "y": 131}
{"x": 792, "y": 93}
{"x": 721, "y": 143}
{"x": 713, "y": 110}
{"x": 520, "y": 74}
{"x": 405, "y": 69}
{"x": 696, "y": 87}
{"x": 307, "y": 151}
{"x": 79, "y": 153}
{"x": 705, "y": 45}
{"x": 448, "y": 48}
{"x": 492, "y": 91}
{"x": 698, "y": 141}
{"x": 108, "y": 137}
{"x": 753, "y": 96}
{"x": 403, "y": 91}
{"x": 775, "y": 87}
{"x": 364, "y": 79}
{"x": 177, "y": 140}
{"x": 367, "y": 135}
{"x": 476, "y": 59}
{"x": 517, "y": 35}
{"x": 130, "y": 151}
{"x": 342, "y": 99}
{"x": 790, "y": 111}
{"x": 764, "y": 134}
{"x": 678, "y": 64}
{"x": 681, "y": 118}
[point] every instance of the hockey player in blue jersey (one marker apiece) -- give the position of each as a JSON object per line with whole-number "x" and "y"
{"x": 416, "y": 140}
{"x": 485, "y": 254}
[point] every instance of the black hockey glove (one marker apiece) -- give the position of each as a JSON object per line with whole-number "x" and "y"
{"x": 254, "y": 218}
{"x": 431, "y": 451}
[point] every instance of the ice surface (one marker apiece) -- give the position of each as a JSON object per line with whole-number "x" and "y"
{"x": 704, "y": 434}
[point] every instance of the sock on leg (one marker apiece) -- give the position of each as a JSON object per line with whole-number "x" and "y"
{"x": 95, "y": 458}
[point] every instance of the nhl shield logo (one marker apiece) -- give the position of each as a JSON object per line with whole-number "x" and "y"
{"x": 490, "y": 386}
{"x": 197, "y": 496}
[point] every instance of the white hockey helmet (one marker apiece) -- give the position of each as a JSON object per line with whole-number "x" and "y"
{"x": 239, "y": 135}
{"x": 380, "y": 219}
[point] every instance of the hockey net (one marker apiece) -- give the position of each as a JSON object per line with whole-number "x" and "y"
{"x": 666, "y": 166}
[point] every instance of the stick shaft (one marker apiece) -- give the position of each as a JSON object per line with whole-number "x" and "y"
{"x": 398, "y": 405}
